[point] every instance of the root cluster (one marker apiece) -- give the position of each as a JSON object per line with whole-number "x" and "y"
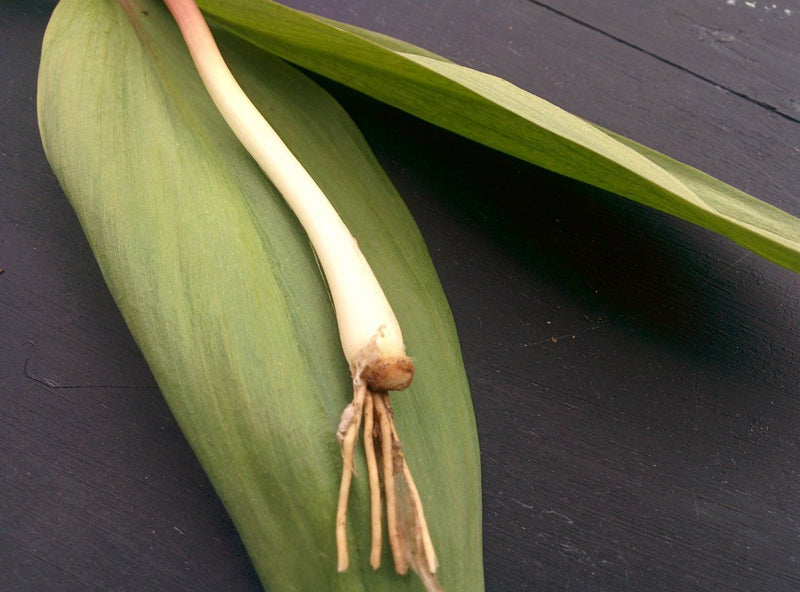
{"x": 390, "y": 480}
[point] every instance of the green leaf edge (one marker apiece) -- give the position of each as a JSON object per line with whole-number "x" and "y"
{"x": 465, "y": 101}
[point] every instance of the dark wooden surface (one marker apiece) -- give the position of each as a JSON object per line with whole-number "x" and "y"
{"x": 635, "y": 379}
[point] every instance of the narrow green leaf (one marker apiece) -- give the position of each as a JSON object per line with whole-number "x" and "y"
{"x": 496, "y": 113}
{"x": 220, "y": 289}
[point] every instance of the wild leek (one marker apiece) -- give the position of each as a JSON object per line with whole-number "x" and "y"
{"x": 370, "y": 335}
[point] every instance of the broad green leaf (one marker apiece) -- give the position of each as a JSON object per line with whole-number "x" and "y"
{"x": 496, "y": 113}
{"x": 221, "y": 290}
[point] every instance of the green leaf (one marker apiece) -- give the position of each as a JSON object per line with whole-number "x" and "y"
{"x": 221, "y": 290}
{"x": 502, "y": 116}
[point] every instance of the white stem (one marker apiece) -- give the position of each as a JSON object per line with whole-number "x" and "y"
{"x": 367, "y": 324}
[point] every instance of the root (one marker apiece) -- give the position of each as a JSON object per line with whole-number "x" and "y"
{"x": 409, "y": 537}
{"x": 347, "y": 435}
{"x": 374, "y": 483}
{"x": 425, "y": 544}
{"x": 396, "y": 542}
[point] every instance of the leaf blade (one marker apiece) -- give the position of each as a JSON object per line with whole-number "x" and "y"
{"x": 210, "y": 268}
{"x": 493, "y": 112}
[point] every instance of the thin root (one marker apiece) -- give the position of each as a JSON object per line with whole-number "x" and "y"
{"x": 347, "y": 435}
{"x": 374, "y": 483}
{"x": 409, "y": 537}
{"x": 389, "y": 488}
{"x": 429, "y": 553}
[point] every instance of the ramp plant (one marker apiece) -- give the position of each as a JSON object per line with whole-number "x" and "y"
{"x": 368, "y": 329}
{"x": 222, "y": 290}
{"x": 250, "y": 239}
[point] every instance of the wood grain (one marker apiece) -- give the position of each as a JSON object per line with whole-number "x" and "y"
{"x": 635, "y": 379}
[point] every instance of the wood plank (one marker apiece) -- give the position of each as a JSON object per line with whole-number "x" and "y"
{"x": 742, "y": 46}
{"x": 635, "y": 378}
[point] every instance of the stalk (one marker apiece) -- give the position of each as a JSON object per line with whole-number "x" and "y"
{"x": 369, "y": 332}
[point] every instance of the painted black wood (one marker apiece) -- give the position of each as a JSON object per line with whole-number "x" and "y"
{"x": 635, "y": 379}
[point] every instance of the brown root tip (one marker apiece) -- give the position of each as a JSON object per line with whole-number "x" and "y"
{"x": 389, "y": 374}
